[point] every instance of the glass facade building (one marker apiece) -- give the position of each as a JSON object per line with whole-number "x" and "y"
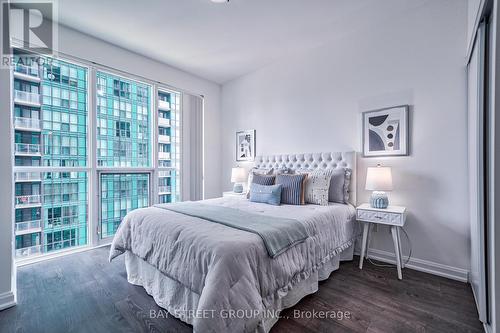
{"x": 168, "y": 146}
{"x": 64, "y": 114}
{"x": 50, "y": 130}
{"x": 56, "y": 178}
{"x": 64, "y": 209}
{"x": 121, "y": 193}
{"x": 123, "y": 122}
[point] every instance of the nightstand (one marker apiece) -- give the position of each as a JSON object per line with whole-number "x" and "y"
{"x": 234, "y": 195}
{"x": 393, "y": 216}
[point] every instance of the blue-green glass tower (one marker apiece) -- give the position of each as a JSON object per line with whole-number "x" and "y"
{"x": 123, "y": 106}
{"x": 50, "y": 126}
{"x": 121, "y": 193}
{"x": 168, "y": 146}
{"x": 123, "y": 140}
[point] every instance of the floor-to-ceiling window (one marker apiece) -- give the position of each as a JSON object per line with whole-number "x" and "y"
{"x": 51, "y": 157}
{"x": 91, "y": 144}
{"x": 169, "y": 157}
{"x": 124, "y": 116}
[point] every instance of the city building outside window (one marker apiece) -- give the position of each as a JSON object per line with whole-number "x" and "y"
{"x": 56, "y": 178}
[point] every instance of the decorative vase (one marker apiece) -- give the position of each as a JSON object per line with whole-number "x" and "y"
{"x": 238, "y": 188}
{"x": 379, "y": 200}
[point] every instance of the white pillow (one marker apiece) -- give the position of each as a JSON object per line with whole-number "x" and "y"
{"x": 316, "y": 186}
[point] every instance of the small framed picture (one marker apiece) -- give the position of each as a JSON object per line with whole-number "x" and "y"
{"x": 385, "y": 132}
{"x": 245, "y": 145}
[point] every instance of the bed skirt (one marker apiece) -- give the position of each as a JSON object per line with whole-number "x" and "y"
{"x": 182, "y": 303}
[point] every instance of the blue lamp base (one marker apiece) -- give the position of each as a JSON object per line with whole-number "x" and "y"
{"x": 238, "y": 188}
{"x": 379, "y": 200}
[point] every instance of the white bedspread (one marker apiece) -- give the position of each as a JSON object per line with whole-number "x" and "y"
{"x": 230, "y": 268}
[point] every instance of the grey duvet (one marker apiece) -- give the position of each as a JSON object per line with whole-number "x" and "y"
{"x": 230, "y": 268}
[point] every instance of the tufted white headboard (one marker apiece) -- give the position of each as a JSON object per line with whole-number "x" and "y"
{"x": 314, "y": 161}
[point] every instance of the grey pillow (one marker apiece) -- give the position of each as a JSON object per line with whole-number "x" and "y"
{"x": 263, "y": 180}
{"x": 339, "y": 186}
{"x": 254, "y": 171}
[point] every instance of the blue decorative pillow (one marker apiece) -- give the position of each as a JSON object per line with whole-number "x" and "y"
{"x": 293, "y": 188}
{"x": 263, "y": 179}
{"x": 269, "y": 194}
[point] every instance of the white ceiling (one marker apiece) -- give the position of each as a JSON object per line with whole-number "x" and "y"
{"x": 220, "y": 42}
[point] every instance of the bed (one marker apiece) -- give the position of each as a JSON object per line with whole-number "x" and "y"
{"x": 222, "y": 279}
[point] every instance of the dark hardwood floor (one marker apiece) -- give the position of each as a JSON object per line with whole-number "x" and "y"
{"x": 84, "y": 293}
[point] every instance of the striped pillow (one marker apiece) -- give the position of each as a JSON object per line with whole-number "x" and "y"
{"x": 263, "y": 179}
{"x": 292, "y": 192}
{"x": 255, "y": 171}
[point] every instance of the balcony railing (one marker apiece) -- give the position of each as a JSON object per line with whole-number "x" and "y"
{"x": 62, "y": 221}
{"x": 28, "y": 123}
{"x": 164, "y": 138}
{"x": 27, "y": 176}
{"x": 164, "y": 122}
{"x": 27, "y": 70}
{"x": 32, "y": 199}
{"x": 164, "y": 105}
{"x": 29, "y": 251}
{"x": 27, "y": 226}
{"x": 27, "y": 148}
{"x": 163, "y": 155}
{"x": 26, "y": 97}
{"x": 162, "y": 189}
{"x": 163, "y": 174}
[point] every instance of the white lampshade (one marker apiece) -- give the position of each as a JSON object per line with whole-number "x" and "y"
{"x": 238, "y": 175}
{"x": 378, "y": 178}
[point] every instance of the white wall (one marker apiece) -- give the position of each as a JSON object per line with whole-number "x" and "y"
{"x": 312, "y": 102}
{"x": 86, "y": 47}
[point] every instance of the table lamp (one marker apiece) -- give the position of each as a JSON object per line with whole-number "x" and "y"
{"x": 238, "y": 177}
{"x": 379, "y": 180}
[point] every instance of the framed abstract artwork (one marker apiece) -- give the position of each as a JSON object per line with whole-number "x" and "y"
{"x": 245, "y": 145}
{"x": 385, "y": 132}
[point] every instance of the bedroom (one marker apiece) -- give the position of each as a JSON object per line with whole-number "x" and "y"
{"x": 343, "y": 152}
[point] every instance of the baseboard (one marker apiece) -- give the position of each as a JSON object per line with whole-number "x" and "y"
{"x": 7, "y": 300}
{"x": 430, "y": 267}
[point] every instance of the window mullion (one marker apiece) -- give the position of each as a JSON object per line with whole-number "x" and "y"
{"x": 154, "y": 142}
{"x": 92, "y": 160}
